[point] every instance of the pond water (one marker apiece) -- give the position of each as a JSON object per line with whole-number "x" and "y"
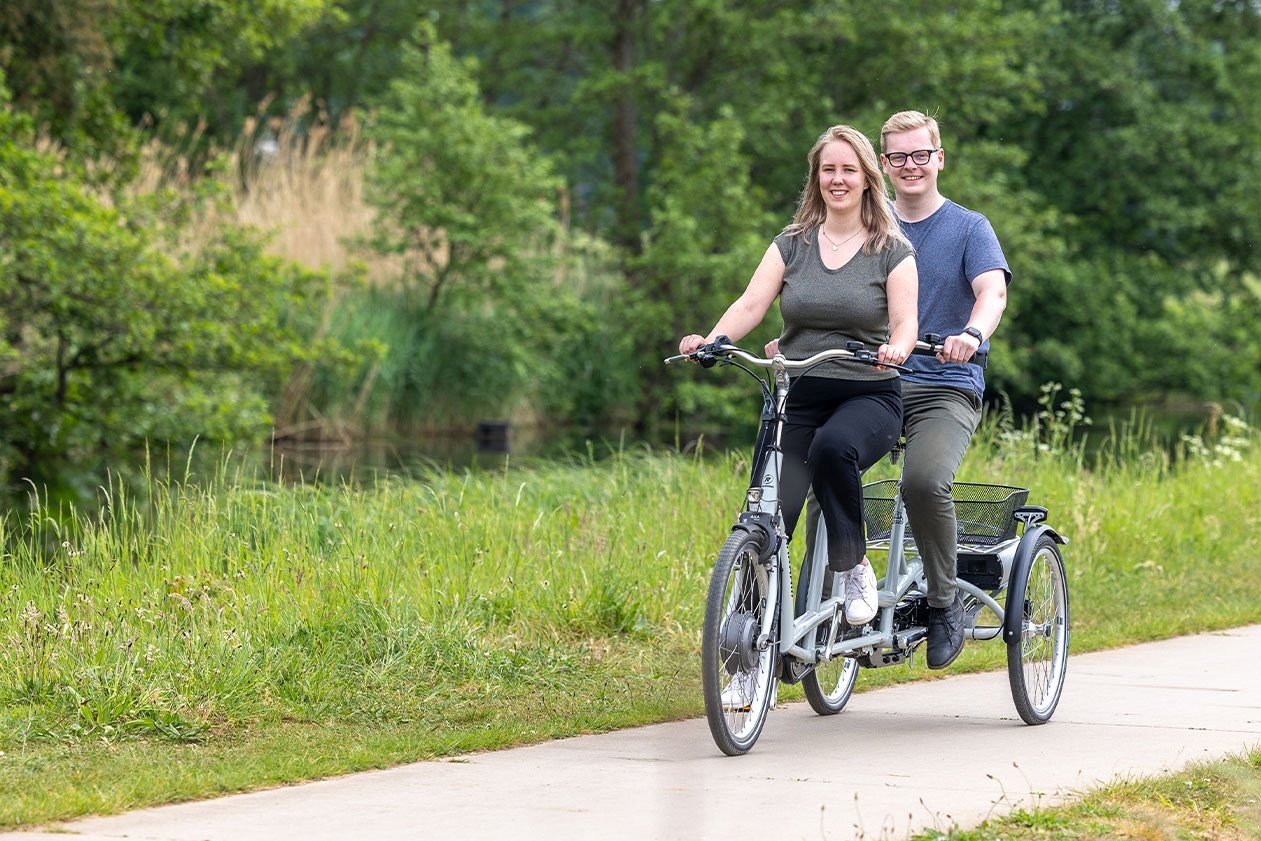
{"x": 498, "y": 445}
{"x": 489, "y": 449}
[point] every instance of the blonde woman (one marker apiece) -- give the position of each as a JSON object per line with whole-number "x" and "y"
{"x": 842, "y": 271}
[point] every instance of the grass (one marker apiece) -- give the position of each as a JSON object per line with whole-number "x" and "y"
{"x": 220, "y": 635}
{"x": 1216, "y": 800}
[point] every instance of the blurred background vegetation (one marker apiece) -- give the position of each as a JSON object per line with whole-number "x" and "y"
{"x": 347, "y": 219}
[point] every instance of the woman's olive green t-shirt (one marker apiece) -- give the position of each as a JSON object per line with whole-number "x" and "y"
{"x": 825, "y": 308}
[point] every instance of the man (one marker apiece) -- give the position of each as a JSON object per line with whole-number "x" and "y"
{"x": 963, "y": 278}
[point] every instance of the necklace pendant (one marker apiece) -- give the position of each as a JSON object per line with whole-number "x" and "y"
{"x": 835, "y": 248}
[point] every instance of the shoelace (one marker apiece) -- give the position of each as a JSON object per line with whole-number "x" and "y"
{"x": 941, "y": 616}
{"x": 854, "y": 584}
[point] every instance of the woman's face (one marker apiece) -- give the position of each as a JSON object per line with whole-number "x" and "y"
{"x": 841, "y": 179}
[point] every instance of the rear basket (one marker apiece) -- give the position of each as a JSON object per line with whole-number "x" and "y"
{"x": 983, "y": 512}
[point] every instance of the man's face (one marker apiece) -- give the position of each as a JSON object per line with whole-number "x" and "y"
{"x": 912, "y": 178}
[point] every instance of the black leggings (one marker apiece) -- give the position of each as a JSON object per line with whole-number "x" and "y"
{"x": 836, "y": 430}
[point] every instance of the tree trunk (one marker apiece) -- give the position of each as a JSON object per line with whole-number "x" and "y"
{"x": 625, "y": 119}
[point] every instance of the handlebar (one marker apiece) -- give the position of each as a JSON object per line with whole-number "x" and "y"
{"x": 708, "y": 355}
{"x": 722, "y": 348}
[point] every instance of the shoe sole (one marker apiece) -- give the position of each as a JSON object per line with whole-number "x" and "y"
{"x": 941, "y": 666}
{"x": 859, "y": 623}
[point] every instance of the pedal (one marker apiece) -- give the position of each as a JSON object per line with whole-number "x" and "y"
{"x": 910, "y": 639}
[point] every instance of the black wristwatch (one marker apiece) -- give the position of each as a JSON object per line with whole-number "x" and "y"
{"x": 976, "y": 334}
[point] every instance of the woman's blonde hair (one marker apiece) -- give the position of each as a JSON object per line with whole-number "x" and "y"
{"x": 875, "y": 213}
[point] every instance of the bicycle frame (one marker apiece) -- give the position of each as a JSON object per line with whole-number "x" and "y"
{"x": 903, "y": 571}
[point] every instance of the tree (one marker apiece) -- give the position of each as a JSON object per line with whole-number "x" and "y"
{"x": 461, "y": 193}
{"x": 471, "y": 207}
{"x": 112, "y": 335}
{"x": 707, "y": 233}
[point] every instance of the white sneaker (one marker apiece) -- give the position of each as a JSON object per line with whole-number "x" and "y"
{"x": 861, "y": 598}
{"x": 739, "y": 693}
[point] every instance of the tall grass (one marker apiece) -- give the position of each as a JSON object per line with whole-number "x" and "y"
{"x": 208, "y": 606}
{"x": 202, "y": 608}
{"x": 465, "y": 610}
{"x": 294, "y": 177}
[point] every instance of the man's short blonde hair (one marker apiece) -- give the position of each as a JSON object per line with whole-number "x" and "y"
{"x": 910, "y": 121}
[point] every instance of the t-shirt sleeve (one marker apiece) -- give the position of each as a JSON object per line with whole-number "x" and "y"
{"x": 894, "y": 253}
{"x": 787, "y": 244}
{"x": 983, "y": 253}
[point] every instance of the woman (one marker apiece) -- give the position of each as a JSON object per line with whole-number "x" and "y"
{"x": 843, "y": 272}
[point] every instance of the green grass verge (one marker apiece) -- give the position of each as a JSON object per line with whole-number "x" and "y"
{"x": 1220, "y": 801}
{"x": 231, "y": 634}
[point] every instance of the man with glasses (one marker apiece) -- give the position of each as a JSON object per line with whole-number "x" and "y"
{"x": 963, "y": 278}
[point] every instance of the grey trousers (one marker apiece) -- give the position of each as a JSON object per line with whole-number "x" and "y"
{"x": 938, "y": 423}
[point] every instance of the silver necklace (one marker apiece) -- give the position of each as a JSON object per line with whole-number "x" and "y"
{"x": 836, "y": 246}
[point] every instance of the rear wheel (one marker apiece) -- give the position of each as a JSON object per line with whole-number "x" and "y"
{"x": 829, "y": 685}
{"x": 1037, "y": 655}
{"x": 737, "y": 676}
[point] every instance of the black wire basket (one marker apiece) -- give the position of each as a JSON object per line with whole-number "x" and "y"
{"x": 983, "y": 512}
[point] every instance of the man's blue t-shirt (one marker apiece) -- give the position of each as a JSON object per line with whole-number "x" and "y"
{"x": 954, "y": 246}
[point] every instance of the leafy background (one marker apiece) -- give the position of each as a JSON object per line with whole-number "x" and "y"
{"x": 544, "y": 195}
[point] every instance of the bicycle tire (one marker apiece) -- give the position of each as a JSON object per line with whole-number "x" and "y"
{"x": 829, "y": 685}
{"x": 740, "y": 593}
{"x": 1037, "y": 654}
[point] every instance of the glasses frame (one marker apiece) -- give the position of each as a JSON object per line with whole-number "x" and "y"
{"x": 910, "y": 156}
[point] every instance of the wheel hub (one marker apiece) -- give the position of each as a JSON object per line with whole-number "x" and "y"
{"x": 739, "y": 651}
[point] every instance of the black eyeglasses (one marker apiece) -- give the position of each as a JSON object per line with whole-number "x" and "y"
{"x": 919, "y": 156}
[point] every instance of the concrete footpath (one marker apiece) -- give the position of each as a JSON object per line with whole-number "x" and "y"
{"x": 899, "y": 760}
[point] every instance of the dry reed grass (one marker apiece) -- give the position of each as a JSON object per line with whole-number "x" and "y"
{"x": 306, "y": 187}
{"x": 294, "y": 177}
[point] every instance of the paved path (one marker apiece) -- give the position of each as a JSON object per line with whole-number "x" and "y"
{"x": 898, "y": 760}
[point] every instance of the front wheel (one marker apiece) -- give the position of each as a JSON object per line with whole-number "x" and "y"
{"x": 736, "y": 674}
{"x": 1037, "y": 650}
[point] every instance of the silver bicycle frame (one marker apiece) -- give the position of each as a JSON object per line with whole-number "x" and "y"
{"x": 904, "y": 571}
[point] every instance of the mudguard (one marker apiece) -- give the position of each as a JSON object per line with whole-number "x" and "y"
{"x": 1020, "y": 566}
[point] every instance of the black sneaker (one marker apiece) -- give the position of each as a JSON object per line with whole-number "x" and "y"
{"x": 945, "y": 633}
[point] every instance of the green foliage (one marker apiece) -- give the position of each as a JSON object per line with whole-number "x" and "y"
{"x": 707, "y": 233}
{"x": 111, "y": 334}
{"x": 348, "y": 57}
{"x": 200, "y": 63}
{"x": 57, "y": 58}
{"x": 82, "y": 66}
{"x": 459, "y": 191}
{"x": 1109, "y": 144}
{"x": 493, "y": 287}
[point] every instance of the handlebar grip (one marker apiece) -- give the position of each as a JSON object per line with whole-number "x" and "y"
{"x": 980, "y": 359}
